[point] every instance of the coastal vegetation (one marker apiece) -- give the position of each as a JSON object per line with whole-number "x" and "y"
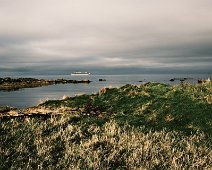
{"x": 150, "y": 126}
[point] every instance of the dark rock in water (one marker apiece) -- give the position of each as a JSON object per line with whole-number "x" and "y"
{"x": 140, "y": 81}
{"x": 180, "y": 79}
{"x": 183, "y": 79}
{"x": 102, "y": 79}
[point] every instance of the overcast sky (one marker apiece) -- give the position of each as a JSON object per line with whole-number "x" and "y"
{"x": 106, "y": 33}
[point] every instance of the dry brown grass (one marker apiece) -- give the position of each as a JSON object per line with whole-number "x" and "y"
{"x": 54, "y": 144}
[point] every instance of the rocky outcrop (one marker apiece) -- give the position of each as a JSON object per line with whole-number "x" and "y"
{"x": 102, "y": 79}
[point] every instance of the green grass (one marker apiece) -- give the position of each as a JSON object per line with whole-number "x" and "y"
{"x": 153, "y": 105}
{"x": 152, "y": 126}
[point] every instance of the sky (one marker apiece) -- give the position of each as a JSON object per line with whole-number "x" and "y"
{"x": 109, "y": 35}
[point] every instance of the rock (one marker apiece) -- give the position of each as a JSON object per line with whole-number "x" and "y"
{"x": 102, "y": 79}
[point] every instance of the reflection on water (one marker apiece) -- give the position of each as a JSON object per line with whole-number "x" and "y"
{"x": 33, "y": 96}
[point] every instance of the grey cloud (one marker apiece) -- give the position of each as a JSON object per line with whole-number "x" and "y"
{"x": 122, "y": 33}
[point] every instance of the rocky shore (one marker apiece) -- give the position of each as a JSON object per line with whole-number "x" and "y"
{"x": 10, "y": 84}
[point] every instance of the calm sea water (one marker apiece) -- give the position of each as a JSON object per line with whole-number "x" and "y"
{"x": 32, "y": 96}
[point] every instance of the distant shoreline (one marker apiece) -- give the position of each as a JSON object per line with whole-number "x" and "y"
{"x": 11, "y": 84}
{"x": 24, "y": 94}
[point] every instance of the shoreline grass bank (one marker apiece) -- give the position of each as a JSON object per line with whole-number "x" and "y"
{"x": 151, "y": 126}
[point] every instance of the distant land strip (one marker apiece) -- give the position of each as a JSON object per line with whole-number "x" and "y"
{"x": 11, "y": 84}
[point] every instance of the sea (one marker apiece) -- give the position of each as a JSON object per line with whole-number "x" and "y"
{"x": 28, "y": 97}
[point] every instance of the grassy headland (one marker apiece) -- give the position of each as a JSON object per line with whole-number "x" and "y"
{"x": 151, "y": 126}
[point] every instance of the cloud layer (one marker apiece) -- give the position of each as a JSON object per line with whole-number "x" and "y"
{"x": 106, "y": 33}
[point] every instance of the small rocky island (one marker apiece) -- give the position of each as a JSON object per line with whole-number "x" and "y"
{"x": 10, "y": 84}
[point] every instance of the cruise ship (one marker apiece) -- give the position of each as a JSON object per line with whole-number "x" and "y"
{"x": 80, "y": 73}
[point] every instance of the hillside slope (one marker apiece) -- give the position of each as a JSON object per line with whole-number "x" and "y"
{"x": 151, "y": 126}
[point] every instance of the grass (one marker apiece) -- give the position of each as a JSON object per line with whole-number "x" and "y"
{"x": 153, "y": 105}
{"x": 152, "y": 126}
